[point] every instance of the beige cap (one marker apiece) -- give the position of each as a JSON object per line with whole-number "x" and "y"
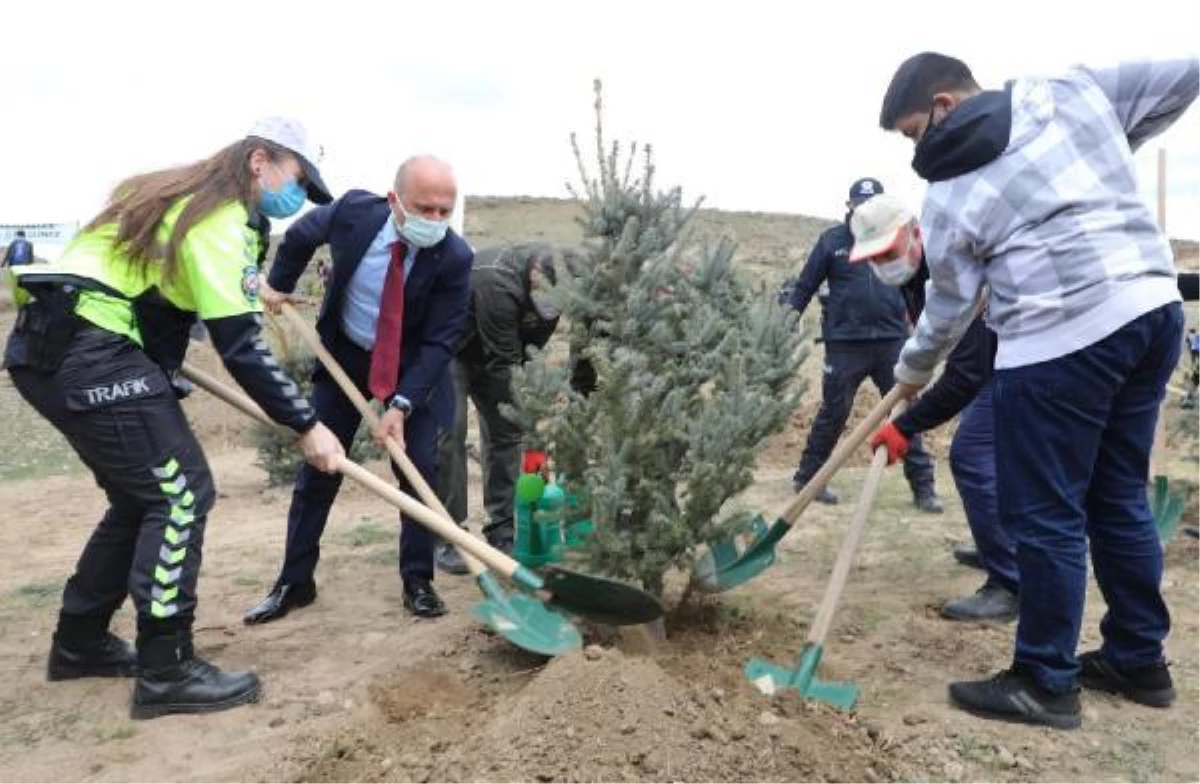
{"x": 876, "y": 225}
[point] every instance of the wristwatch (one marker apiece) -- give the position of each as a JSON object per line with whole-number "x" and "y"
{"x": 401, "y": 404}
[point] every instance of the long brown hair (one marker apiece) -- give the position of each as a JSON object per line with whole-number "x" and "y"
{"x": 139, "y": 203}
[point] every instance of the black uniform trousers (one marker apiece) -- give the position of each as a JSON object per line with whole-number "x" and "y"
{"x": 847, "y": 364}
{"x": 116, "y": 409}
{"x": 315, "y": 491}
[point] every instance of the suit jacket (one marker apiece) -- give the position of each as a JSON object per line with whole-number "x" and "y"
{"x": 436, "y": 292}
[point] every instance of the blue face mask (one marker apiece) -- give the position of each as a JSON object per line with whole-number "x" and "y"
{"x": 421, "y": 232}
{"x": 284, "y": 202}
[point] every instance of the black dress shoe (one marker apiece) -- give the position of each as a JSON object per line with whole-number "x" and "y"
{"x": 108, "y": 657}
{"x": 282, "y": 598}
{"x": 421, "y": 600}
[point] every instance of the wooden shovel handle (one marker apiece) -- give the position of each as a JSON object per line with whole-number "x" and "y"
{"x": 841, "y": 454}
{"x": 841, "y": 569}
{"x": 442, "y": 526}
{"x": 309, "y": 335}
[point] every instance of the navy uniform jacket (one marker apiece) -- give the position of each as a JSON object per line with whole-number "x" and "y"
{"x": 859, "y": 307}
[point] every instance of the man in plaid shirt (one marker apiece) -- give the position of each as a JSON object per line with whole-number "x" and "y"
{"x": 1033, "y": 203}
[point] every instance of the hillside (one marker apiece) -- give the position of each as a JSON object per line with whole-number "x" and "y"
{"x": 771, "y": 245}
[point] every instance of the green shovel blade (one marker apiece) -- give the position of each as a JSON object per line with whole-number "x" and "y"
{"x": 1166, "y": 508}
{"x": 771, "y": 679}
{"x": 739, "y": 559}
{"x": 768, "y": 678}
{"x": 524, "y": 621}
{"x": 600, "y": 599}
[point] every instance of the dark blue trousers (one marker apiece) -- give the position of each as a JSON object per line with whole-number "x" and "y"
{"x": 847, "y": 364}
{"x": 1073, "y": 439}
{"x": 315, "y": 491}
{"x": 973, "y": 464}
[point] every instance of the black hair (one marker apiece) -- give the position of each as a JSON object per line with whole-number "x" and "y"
{"x": 917, "y": 80}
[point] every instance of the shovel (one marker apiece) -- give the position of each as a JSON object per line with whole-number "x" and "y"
{"x": 731, "y": 562}
{"x": 522, "y": 620}
{"x": 1166, "y": 506}
{"x": 596, "y": 599}
{"x": 770, "y": 678}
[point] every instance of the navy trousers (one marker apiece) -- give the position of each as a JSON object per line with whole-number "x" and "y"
{"x": 315, "y": 491}
{"x": 973, "y": 465}
{"x": 1073, "y": 440}
{"x": 847, "y": 365}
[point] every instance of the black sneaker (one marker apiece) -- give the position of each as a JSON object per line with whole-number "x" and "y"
{"x": 1146, "y": 685}
{"x": 990, "y": 603}
{"x": 1012, "y": 695}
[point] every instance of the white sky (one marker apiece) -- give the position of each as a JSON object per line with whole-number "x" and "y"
{"x": 755, "y": 105}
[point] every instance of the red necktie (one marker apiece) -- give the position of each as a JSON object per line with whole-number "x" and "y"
{"x": 385, "y": 357}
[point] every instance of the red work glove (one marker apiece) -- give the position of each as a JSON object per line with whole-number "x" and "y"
{"x": 895, "y": 441}
{"x": 533, "y": 462}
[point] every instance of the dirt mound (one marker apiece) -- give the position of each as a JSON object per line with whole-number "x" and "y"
{"x": 604, "y": 716}
{"x": 598, "y": 715}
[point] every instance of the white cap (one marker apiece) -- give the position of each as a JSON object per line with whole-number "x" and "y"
{"x": 876, "y": 225}
{"x": 291, "y": 134}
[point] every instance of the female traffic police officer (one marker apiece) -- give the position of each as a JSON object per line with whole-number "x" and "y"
{"x": 94, "y": 342}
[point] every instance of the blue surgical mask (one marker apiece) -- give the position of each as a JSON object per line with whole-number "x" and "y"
{"x": 282, "y": 203}
{"x": 421, "y": 232}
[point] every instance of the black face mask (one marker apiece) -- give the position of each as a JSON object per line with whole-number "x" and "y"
{"x": 972, "y": 134}
{"x": 920, "y": 159}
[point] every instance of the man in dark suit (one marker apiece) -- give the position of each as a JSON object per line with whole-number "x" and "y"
{"x": 394, "y": 334}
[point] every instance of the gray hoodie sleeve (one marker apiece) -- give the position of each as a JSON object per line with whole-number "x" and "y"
{"x": 1149, "y": 96}
{"x": 952, "y": 296}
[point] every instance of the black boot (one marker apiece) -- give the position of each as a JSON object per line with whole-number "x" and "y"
{"x": 501, "y": 537}
{"x": 107, "y": 656}
{"x": 173, "y": 679}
